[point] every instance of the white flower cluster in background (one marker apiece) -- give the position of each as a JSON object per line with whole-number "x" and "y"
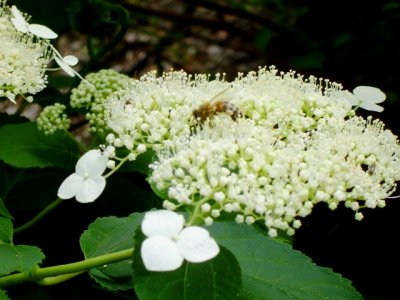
{"x": 25, "y": 52}
{"x": 23, "y": 59}
{"x": 298, "y": 142}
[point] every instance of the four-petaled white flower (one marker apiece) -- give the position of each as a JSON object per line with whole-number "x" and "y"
{"x": 86, "y": 184}
{"x": 168, "y": 244}
{"x": 66, "y": 63}
{"x": 367, "y": 98}
{"x": 21, "y": 25}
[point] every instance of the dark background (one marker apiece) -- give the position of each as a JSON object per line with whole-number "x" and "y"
{"x": 351, "y": 42}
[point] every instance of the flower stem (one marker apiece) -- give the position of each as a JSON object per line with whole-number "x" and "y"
{"x": 195, "y": 218}
{"x": 57, "y": 274}
{"x": 39, "y": 216}
{"x": 116, "y": 167}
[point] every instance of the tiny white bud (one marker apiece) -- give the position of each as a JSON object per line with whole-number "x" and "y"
{"x": 208, "y": 221}
{"x": 111, "y": 164}
{"x": 205, "y": 207}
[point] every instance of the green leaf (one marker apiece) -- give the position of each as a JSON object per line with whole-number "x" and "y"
{"x": 3, "y": 209}
{"x": 273, "y": 270}
{"x": 140, "y": 164}
{"x": 107, "y": 235}
{"x": 3, "y": 295}
{"x": 24, "y": 146}
{"x": 6, "y": 231}
{"x": 218, "y": 278}
{"x": 11, "y": 119}
{"x": 19, "y": 258}
{"x": 24, "y": 189}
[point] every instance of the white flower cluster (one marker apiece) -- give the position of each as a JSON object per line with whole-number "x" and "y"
{"x": 23, "y": 59}
{"x": 297, "y": 143}
{"x": 25, "y": 52}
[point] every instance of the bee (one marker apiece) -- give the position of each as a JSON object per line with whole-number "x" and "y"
{"x": 209, "y": 109}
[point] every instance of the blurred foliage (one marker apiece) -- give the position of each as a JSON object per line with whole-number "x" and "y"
{"x": 351, "y": 42}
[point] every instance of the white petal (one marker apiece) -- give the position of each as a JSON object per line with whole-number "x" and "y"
{"x": 90, "y": 189}
{"x": 70, "y": 60}
{"x": 19, "y": 21}
{"x": 91, "y": 164}
{"x": 196, "y": 245}
{"x": 70, "y": 186}
{"x": 354, "y": 101}
{"x": 67, "y": 69}
{"x": 371, "y": 107}
{"x": 159, "y": 253}
{"x": 42, "y": 31}
{"x": 162, "y": 222}
{"x": 369, "y": 94}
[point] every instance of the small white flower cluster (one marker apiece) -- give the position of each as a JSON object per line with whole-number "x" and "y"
{"x": 298, "y": 143}
{"x": 23, "y": 59}
{"x": 25, "y": 52}
{"x": 53, "y": 118}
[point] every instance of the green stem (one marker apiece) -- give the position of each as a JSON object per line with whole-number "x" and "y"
{"x": 116, "y": 167}
{"x": 194, "y": 218}
{"x": 60, "y": 273}
{"x": 39, "y": 216}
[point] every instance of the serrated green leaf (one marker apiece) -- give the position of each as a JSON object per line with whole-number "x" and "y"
{"x": 3, "y": 209}
{"x": 107, "y": 235}
{"x": 3, "y": 295}
{"x": 273, "y": 270}
{"x": 219, "y": 278}
{"x": 24, "y": 146}
{"x": 19, "y": 258}
{"x": 6, "y": 231}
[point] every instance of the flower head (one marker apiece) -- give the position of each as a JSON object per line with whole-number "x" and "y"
{"x": 299, "y": 144}
{"x": 87, "y": 183}
{"x": 53, "y": 118}
{"x": 23, "y": 59}
{"x": 168, "y": 244}
{"x": 25, "y": 52}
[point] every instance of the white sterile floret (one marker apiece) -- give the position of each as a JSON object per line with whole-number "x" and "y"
{"x": 87, "y": 183}
{"x": 367, "y": 98}
{"x": 21, "y": 25}
{"x": 168, "y": 243}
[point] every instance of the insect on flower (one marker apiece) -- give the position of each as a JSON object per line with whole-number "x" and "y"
{"x": 216, "y": 105}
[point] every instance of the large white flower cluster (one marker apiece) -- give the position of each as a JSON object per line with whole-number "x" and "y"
{"x": 297, "y": 143}
{"x": 23, "y": 59}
